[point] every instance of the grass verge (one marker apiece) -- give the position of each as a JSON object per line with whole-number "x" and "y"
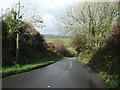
{"x": 18, "y": 69}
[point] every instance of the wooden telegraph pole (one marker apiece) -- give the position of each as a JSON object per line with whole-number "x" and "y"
{"x": 17, "y": 37}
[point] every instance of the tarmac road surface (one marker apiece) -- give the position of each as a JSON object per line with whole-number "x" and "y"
{"x": 66, "y": 73}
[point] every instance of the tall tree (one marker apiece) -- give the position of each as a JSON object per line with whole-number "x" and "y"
{"x": 93, "y": 19}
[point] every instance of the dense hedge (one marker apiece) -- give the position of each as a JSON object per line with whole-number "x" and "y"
{"x": 32, "y": 46}
{"x": 107, "y": 59}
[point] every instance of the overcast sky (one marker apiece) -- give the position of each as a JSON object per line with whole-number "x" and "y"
{"x": 49, "y": 9}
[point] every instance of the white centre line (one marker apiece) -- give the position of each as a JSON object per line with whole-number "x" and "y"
{"x": 61, "y": 76}
{"x": 70, "y": 63}
{"x": 48, "y": 86}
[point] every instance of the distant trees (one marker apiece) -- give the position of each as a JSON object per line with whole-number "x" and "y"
{"x": 93, "y": 20}
{"x": 55, "y": 36}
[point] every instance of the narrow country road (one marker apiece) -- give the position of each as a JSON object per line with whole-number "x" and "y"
{"x": 66, "y": 73}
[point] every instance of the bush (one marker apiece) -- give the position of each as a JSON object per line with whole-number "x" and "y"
{"x": 113, "y": 43}
{"x": 79, "y": 43}
{"x": 106, "y": 60}
{"x": 51, "y": 46}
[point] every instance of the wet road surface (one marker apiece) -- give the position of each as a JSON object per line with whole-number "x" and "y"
{"x": 66, "y": 73}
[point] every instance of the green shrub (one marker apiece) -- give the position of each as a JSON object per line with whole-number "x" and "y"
{"x": 106, "y": 60}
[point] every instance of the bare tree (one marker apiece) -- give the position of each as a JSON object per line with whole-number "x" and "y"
{"x": 93, "y": 19}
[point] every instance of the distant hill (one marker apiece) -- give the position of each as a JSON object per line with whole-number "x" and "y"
{"x": 55, "y": 36}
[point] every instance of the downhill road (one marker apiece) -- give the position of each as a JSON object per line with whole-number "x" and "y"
{"x": 66, "y": 73}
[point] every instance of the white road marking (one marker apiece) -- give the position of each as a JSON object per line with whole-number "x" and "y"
{"x": 61, "y": 76}
{"x": 56, "y": 80}
{"x": 48, "y": 86}
{"x": 89, "y": 69}
{"x": 70, "y": 63}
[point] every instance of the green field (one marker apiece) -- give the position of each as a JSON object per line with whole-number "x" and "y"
{"x": 65, "y": 40}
